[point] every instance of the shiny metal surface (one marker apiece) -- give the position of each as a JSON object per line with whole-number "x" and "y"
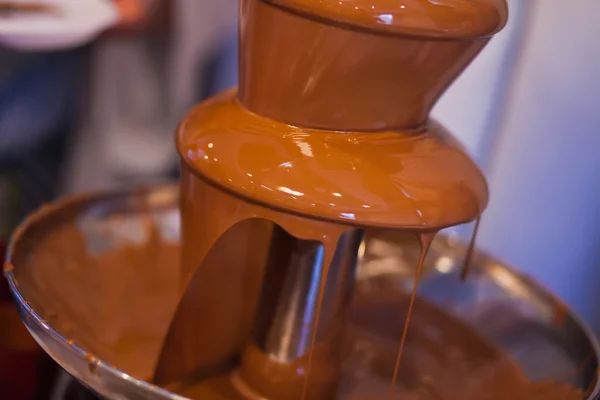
{"x": 519, "y": 315}
{"x": 286, "y": 318}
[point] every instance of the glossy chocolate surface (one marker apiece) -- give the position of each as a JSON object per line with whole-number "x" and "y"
{"x": 333, "y": 123}
{"x": 103, "y": 272}
{"x": 419, "y": 179}
{"x": 441, "y": 19}
{"x": 327, "y": 132}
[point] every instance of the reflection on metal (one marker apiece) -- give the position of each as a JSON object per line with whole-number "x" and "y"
{"x": 444, "y": 265}
{"x": 286, "y": 316}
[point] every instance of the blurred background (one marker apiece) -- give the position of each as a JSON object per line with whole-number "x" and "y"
{"x": 101, "y": 114}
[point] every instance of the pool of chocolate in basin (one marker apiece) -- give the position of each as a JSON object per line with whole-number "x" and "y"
{"x": 118, "y": 305}
{"x": 444, "y": 359}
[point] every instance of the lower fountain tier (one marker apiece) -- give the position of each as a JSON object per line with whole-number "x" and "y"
{"x": 94, "y": 282}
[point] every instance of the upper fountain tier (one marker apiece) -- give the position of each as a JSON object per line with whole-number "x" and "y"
{"x": 357, "y": 65}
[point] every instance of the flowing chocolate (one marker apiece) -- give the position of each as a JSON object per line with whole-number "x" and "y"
{"x": 328, "y": 134}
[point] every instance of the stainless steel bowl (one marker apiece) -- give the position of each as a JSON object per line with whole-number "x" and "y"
{"x": 543, "y": 336}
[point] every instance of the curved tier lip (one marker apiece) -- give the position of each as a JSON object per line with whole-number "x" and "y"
{"x": 377, "y": 218}
{"x": 374, "y": 27}
{"x": 481, "y": 257}
{"x": 22, "y": 302}
{"x": 240, "y": 194}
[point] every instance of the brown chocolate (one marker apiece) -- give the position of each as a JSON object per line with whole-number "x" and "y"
{"x": 329, "y": 131}
{"x": 82, "y": 295}
{"x": 460, "y": 363}
{"x": 433, "y": 19}
{"x": 444, "y": 358}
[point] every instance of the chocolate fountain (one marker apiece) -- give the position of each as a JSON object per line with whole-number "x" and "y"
{"x": 303, "y": 260}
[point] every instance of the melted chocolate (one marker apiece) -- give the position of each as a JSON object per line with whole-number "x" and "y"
{"x": 329, "y": 131}
{"x": 443, "y": 358}
{"x": 86, "y": 303}
{"x": 425, "y": 18}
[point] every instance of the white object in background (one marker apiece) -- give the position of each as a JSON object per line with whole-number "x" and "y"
{"x": 73, "y": 23}
{"x": 134, "y": 107}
